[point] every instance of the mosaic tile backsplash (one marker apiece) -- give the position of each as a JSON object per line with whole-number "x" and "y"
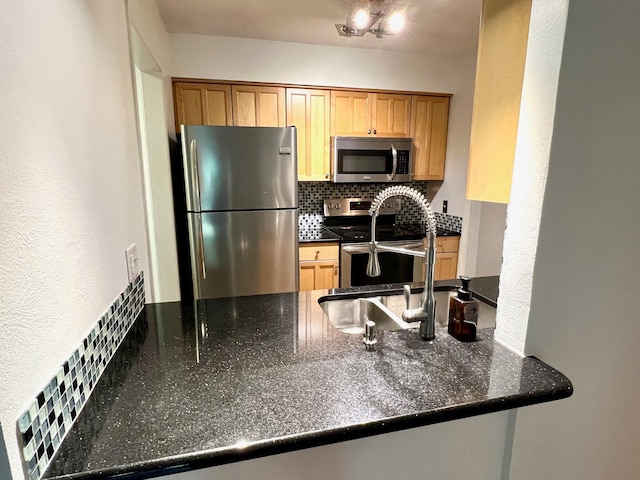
{"x": 43, "y": 426}
{"x": 312, "y": 194}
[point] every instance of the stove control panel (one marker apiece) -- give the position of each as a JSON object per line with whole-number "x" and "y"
{"x": 334, "y": 207}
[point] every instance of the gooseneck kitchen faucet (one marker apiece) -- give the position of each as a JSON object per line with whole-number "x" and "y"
{"x": 425, "y": 314}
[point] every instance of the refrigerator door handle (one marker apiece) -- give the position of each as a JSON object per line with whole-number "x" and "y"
{"x": 203, "y": 264}
{"x": 193, "y": 150}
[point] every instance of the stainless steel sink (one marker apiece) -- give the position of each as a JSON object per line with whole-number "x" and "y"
{"x": 348, "y": 315}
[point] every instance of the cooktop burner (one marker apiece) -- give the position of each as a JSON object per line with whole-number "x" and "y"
{"x": 350, "y": 232}
{"x": 362, "y": 233}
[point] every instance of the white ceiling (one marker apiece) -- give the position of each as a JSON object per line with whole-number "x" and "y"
{"x": 446, "y": 27}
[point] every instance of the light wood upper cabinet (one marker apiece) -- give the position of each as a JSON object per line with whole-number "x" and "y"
{"x": 321, "y": 113}
{"x": 429, "y": 126}
{"x": 310, "y": 112}
{"x": 350, "y": 113}
{"x": 362, "y": 114}
{"x": 502, "y": 48}
{"x": 258, "y": 106}
{"x": 202, "y": 104}
{"x": 391, "y": 115}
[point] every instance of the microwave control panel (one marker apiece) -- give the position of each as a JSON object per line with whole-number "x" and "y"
{"x": 403, "y": 162}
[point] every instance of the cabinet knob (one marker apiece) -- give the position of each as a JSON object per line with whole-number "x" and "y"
{"x": 375, "y": 131}
{"x": 326, "y": 175}
{"x": 369, "y": 131}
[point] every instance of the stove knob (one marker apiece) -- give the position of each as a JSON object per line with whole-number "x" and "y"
{"x": 388, "y": 205}
{"x": 329, "y": 206}
{"x": 337, "y": 205}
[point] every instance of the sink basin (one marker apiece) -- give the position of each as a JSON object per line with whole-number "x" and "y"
{"x": 348, "y": 314}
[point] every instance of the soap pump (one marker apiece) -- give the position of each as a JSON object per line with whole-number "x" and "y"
{"x": 463, "y": 313}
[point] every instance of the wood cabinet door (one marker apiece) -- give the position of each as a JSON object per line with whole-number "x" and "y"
{"x": 310, "y": 112}
{"x": 429, "y": 125}
{"x": 258, "y": 106}
{"x": 502, "y": 52}
{"x": 350, "y": 113}
{"x": 326, "y": 275}
{"x": 319, "y": 275}
{"x": 202, "y": 104}
{"x": 391, "y": 115}
{"x": 307, "y": 276}
{"x": 319, "y": 266}
{"x": 446, "y": 266}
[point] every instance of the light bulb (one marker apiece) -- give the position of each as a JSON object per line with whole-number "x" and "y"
{"x": 396, "y": 21}
{"x": 361, "y": 18}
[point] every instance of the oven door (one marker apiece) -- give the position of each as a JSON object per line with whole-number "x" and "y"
{"x": 395, "y": 267}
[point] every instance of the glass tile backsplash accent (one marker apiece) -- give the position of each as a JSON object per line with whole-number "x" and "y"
{"x": 312, "y": 194}
{"x": 49, "y": 417}
{"x": 449, "y": 222}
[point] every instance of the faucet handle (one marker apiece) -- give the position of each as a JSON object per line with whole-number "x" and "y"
{"x": 406, "y": 290}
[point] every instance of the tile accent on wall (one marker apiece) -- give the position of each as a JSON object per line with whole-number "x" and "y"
{"x": 44, "y": 424}
{"x": 312, "y": 194}
{"x": 449, "y": 222}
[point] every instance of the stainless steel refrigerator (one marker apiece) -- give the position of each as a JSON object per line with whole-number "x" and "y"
{"x": 242, "y": 209}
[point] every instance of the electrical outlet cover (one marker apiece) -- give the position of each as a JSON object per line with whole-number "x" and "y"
{"x": 131, "y": 256}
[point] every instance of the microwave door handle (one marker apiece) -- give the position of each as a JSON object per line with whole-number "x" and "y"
{"x": 394, "y": 155}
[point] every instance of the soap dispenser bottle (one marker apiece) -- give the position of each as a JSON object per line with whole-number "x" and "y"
{"x": 463, "y": 314}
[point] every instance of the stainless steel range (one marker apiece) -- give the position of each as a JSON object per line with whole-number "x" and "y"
{"x": 349, "y": 219}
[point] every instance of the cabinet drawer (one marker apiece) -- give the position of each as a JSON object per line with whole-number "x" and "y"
{"x": 319, "y": 251}
{"x": 447, "y": 244}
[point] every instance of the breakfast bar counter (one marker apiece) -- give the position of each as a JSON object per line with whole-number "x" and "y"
{"x": 224, "y": 380}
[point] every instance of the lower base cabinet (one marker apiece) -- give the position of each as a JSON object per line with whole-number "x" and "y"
{"x": 319, "y": 266}
{"x": 446, "y": 258}
{"x": 446, "y": 266}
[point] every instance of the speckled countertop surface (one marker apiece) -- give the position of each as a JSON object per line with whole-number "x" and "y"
{"x": 319, "y": 234}
{"x": 316, "y": 235}
{"x": 231, "y": 379}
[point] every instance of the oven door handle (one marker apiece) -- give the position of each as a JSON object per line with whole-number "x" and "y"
{"x": 364, "y": 247}
{"x": 356, "y": 248}
{"x": 413, "y": 245}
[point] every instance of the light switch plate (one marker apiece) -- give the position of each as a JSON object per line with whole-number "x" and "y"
{"x": 131, "y": 255}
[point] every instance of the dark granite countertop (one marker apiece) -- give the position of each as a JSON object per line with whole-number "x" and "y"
{"x": 231, "y": 379}
{"x": 321, "y": 235}
{"x": 317, "y": 235}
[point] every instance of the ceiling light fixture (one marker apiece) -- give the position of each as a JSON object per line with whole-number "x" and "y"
{"x": 380, "y": 17}
{"x": 361, "y": 18}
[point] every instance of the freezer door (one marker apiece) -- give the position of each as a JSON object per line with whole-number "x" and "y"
{"x": 244, "y": 253}
{"x": 239, "y": 168}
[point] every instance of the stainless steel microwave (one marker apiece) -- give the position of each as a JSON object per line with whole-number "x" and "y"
{"x": 371, "y": 159}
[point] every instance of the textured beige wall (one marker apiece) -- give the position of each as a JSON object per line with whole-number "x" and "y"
{"x": 70, "y": 179}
